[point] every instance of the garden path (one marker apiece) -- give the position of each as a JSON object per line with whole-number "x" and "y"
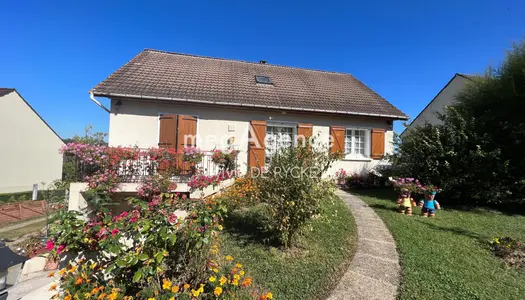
{"x": 374, "y": 272}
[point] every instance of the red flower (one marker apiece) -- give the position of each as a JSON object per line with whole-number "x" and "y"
{"x": 61, "y": 248}
{"x": 50, "y": 245}
{"x": 114, "y": 231}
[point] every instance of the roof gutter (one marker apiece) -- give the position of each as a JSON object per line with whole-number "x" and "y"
{"x": 92, "y": 97}
{"x": 252, "y": 105}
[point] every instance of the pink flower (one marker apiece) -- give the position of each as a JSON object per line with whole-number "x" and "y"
{"x": 172, "y": 218}
{"x": 50, "y": 245}
{"x": 114, "y": 232}
{"x": 61, "y": 248}
{"x": 124, "y": 214}
{"x": 133, "y": 220}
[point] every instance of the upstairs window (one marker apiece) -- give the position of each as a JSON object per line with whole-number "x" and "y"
{"x": 263, "y": 79}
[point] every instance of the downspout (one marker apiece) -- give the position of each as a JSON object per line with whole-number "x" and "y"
{"x": 92, "y": 97}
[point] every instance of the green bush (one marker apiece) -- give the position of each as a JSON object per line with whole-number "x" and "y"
{"x": 290, "y": 188}
{"x": 476, "y": 154}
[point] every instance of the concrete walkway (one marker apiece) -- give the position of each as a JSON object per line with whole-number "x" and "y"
{"x": 374, "y": 272}
{"x": 6, "y": 228}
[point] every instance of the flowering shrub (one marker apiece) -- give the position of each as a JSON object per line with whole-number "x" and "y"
{"x": 363, "y": 181}
{"x": 155, "y": 185}
{"x": 201, "y": 181}
{"x": 226, "y": 160}
{"x": 225, "y": 280}
{"x": 244, "y": 191}
{"x": 291, "y": 189}
{"x": 341, "y": 174}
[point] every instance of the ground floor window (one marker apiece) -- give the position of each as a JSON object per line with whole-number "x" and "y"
{"x": 278, "y": 136}
{"x": 357, "y": 143}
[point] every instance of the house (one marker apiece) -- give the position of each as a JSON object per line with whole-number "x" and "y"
{"x": 29, "y": 149}
{"x": 159, "y": 98}
{"x": 445, "y": 97}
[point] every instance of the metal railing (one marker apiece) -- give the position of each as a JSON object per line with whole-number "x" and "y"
{"x": 135, "y": 170}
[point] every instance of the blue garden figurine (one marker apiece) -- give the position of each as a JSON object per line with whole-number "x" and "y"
{"x": 429, "y": 205}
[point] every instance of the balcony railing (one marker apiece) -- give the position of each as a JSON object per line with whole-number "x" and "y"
{"x": 134, "y": 170}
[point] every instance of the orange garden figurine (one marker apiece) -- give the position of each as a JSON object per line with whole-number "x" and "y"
{"x": 429, "y": 205}
{"x": 405, "y": 202}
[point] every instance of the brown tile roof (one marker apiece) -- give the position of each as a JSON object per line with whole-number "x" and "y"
{"x": 5, "y": 91}
{"x": 162, "y": 75}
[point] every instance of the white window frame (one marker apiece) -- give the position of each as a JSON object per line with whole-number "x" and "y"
{"x": 281, "y": 124}
{"x": 367, "y": 144}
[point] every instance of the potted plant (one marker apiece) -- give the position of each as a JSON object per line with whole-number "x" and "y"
{"x": 340, "y": 176}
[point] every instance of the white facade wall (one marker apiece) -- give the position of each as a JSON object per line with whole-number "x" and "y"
{"x": 445, "y": 98}
{"x": 136, "y": 123}
{"x": 29, "y": 148}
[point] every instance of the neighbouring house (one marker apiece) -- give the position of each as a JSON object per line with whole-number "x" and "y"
{"x": 158, "y": 98}
{"x": 29, "y": 149}
{"x": 445, "y": 97}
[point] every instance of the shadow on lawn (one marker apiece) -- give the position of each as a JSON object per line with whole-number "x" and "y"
{"x": 248, "y": 228}
{"x": 456, "y": 230}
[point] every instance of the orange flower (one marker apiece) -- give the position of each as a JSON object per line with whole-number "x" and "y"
{"x": 186, "y": 286}
{"x": 101, "y": 296}
{"x": 79, "y": 281}
{"x": 68, "y": 297}
{"x": 53, "y": 287}
{"x": 175, "y": 289}
{"x": 51, "y": 274}
{"x": 247, "y": 281}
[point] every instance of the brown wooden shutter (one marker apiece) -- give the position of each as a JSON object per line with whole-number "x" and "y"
{"x": 256, "y": 146}
{"x": 338, "y": 139}
{"x": 167, "y": 135}
{"x": 186, "y": 132}
{"x": 304, "y": 129}
{"x": 186, "y": 138}
{"x": 378, "y": 143}
{"x": 168, "y": 131}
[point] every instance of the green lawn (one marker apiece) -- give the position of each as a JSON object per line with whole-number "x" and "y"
{"x": 18, "y": 232}
{"x": 308, "y": 271}
{"x": 447, "y": 257}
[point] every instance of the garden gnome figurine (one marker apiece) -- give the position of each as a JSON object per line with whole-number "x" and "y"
{"x": 429, "y": 205}
{"x": 405, "y": 202}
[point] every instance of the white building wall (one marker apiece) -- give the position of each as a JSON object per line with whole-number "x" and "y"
{"x": 29, "y": 148}
{"x": 445, "y": 98}
{"x": 136, "y": 123}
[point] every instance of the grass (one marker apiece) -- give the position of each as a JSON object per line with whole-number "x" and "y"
{"x": 18, "y": 232}
{"x": 308, "y": 271}
{"x": 447, "y": 257}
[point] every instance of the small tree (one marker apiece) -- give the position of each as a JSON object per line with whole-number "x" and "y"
{"x": 291, "y": 188}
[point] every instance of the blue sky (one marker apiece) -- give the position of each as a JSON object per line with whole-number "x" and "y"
{"x": 54, "y": 52}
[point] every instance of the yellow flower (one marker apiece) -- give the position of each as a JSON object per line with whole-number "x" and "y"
{"x": 213, "y": 278}
{"x": 195, "y": 293}
{"x": 236, "y": 277}
{"x": 62, "y": 271}
{"x": 175, "y": 289}
{"x": 215, "y": 270}
{"x": 217, "y": 291}
{"x": 269, "y": 295}
{"x": 172, "y": 298}
{"x": 53, "y": 287}
{"x": 238, "y": 266}
{"x": 151, "y": 298}
{"x": 86, "y": 295}
{"x": 186, "y": 286}
{"x": 113, "y": 296}
{"x": 220, "y": 227}
{"x": 229, "y": 257}
{"x": 93, "y": 266}
{"x": 222, "y": 280}
{"x": 72, "y": 269}
{"x": 235, "y": 282}
{"x": 241, "y": 273}
{"x": 166, "y": 284}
